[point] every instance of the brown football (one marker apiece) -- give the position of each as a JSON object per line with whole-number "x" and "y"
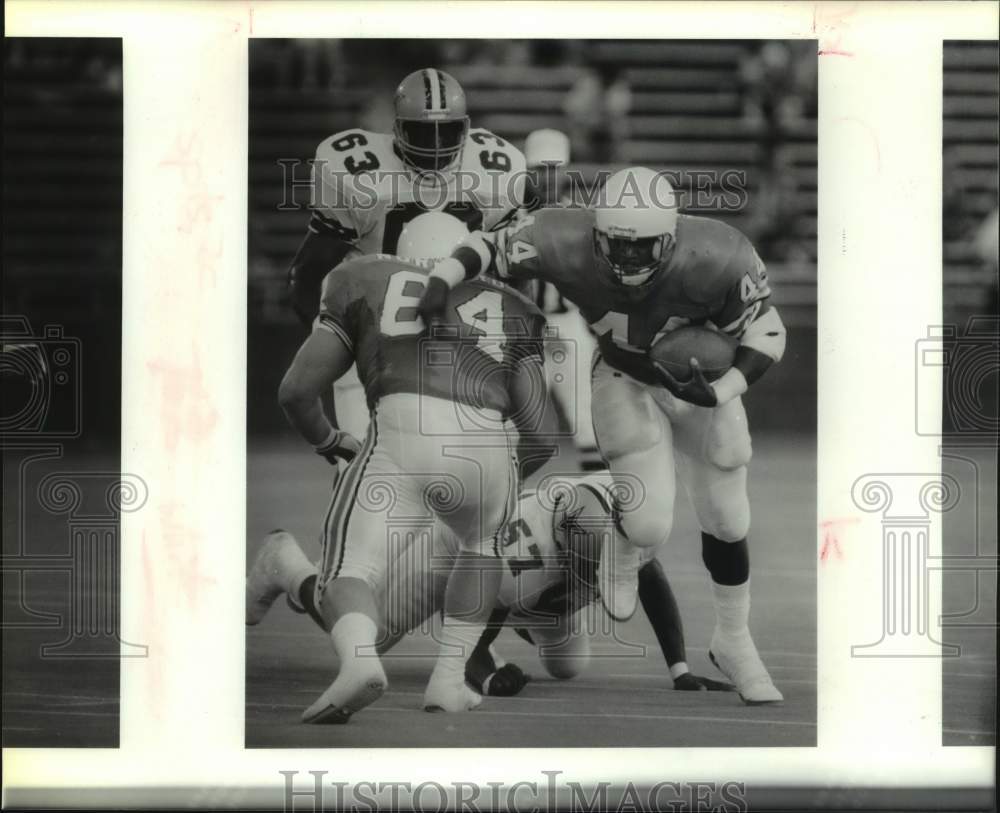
{"x": 715, "y": 352}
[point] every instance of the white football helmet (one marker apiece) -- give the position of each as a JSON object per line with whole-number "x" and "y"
{"x": 430, "y": 236}
{"x": 546, "y": 146}
{"x": 431, "y": 121}
{"x": 636, "y": 224}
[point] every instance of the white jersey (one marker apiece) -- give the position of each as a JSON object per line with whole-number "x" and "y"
{"x": 538, "y": 580}
{"x": 363, "y": 192}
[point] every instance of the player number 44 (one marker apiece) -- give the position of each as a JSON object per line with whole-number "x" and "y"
{"x": 483, "y": 313}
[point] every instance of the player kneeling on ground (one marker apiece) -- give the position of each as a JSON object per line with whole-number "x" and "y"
{"x": 549, "y": 551}
{"x": 424, "y": 395}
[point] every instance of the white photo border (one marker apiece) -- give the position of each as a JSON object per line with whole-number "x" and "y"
{"x": 184, "y": 279}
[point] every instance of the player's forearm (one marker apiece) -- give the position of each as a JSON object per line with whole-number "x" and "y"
{"x": 304, "y": 410}
{"x": 469, "y": 260}
{"x": 762, "y": 344}
{"x": 308, "y": 419}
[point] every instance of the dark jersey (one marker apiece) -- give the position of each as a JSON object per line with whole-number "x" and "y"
{"x": 713, "y": 278}
{"x": 370, "y": 303}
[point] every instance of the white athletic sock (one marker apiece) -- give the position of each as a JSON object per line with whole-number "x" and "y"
{"x": 293, "y": 584}
{"x": 458, "y": 639}
{"x": 678, "y": 669}
{"x": 351, "y": 631}
{"x": 293, "y": 569}
{"x": 732, "y": 606}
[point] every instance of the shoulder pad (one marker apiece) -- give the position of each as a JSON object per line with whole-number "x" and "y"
{"x": 480, "y": 140}
{"x": 358, "y": 147}
{"x": 714, "y": 251}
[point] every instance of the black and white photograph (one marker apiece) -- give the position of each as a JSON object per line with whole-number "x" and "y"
{"x": 513, "y": 311}
{"x": 967, "y": 347}
{"x": 499, "y": 406}
{"x": 63, "y": 491}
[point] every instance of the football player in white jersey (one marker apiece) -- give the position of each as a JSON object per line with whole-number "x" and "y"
{"x": 550, "y": 550}
{"x": 367, "y": 186}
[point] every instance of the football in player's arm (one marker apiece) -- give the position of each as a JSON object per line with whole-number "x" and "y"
{"x": 745, "y": 312}
{"x": 638, "y": 269}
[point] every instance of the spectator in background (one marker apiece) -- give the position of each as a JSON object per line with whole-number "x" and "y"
{"x": 987, "y": 240}
{"x": 597, "y": 108}
{"x": 778, "y": 87}
{"x": 957, "y": 220}
{"x": 986, "y": 243}
{"x": 775, "y": 223}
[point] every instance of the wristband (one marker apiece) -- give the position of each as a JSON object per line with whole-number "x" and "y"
{"x": 331, "y": 441}
{"x": 450, "y": 271}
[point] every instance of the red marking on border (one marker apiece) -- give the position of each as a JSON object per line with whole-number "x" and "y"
{"x": 182, "y": 543}
{"x": 831, "y": 542}
{"x": 828, "y": 24}
{"x": 186, "y": 412}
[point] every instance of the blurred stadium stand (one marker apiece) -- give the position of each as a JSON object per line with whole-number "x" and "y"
{"x": 62, "y": 241}
{"x": 62, "y": 207}
{"x": 970, "y": 176}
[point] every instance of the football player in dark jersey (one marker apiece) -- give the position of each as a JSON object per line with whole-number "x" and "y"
{"x": 638, "y": 269}
{"x": 426, "y": 396}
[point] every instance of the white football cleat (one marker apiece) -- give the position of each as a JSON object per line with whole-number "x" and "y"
{"x": 279, "y": 559}
{"x": 353, "y": 689}
{"x": 736, "y": 657}
{"x": 443, "y": 694}
{"x": 618, "y": 578}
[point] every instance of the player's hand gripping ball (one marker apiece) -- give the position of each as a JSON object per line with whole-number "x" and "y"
{"x": 689, "y": 359}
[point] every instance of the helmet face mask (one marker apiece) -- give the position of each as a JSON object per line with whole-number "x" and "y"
{"x": 635, "y": 226}
{"x": 431, "y": 145}
{"x": 431, "y": 121}
{"x": 632, "y": 260}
